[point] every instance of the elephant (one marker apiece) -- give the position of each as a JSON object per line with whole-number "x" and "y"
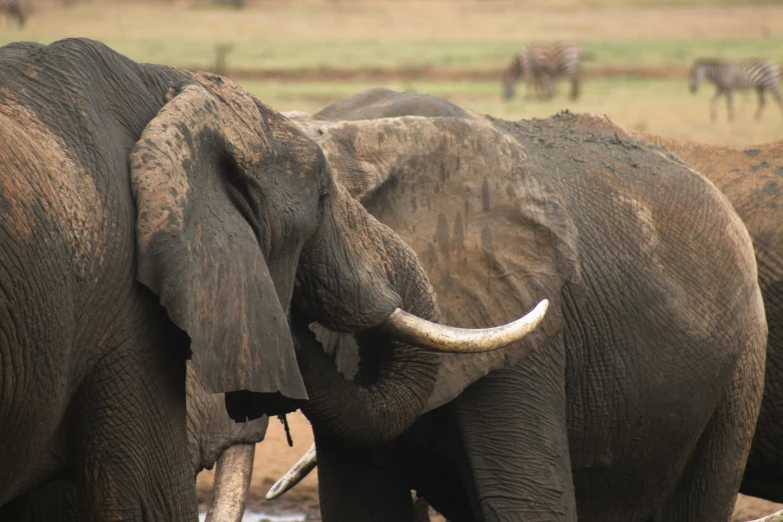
{"x": 640, "y": 397}
{"x": 210, "y": 432}
{"x": 153, "y": 216}
{"x": 749, "y": 177}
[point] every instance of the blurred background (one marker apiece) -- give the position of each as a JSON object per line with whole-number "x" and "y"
{"x": 304, "y": 54}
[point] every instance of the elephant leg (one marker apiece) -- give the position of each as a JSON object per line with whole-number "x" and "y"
{"x": 127, "y": 425}
{"x": 708, "y": 487}
{"x": 433, "y": 462}
{"x": 357, "y": 484}
{"x": 513, "y": 425}
{"x": 764, "y": 471}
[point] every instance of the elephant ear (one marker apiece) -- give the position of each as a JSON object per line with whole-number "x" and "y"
{"x": 489, "y": 228}
{"x": 197, "y": 251}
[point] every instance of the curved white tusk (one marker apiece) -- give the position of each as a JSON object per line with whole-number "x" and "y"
{"x": 774, "y": 517}
{"x": 440, "y": 338}
{"x": 294, "y": 476}
{"x": 232, "y": 479}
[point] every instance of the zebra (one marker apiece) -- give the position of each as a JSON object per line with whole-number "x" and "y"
{"x": 542, "y": 66}
{"x": 761, "y": 75}
{"x": 520, "y": 67}
{"x": 13, "y": 9}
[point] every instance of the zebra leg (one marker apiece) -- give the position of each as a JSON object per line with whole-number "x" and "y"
{"x": 575, "y": 84}
{"x": 762, "y": 101}
{"x": 730, "y": 105}
{"x": 776, "y": 94}
{"x": 549, "y": 87}
{"x": 538, "y": 86}
{"x": 713, "y": 105}
{"x": 19, "y": 15}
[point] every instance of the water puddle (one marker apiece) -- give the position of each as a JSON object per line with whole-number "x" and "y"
{"x": 254, "y": 516}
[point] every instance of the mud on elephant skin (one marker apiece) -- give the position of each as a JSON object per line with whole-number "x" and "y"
{"x": 750, "y": 178}
{"x": 153, "y": 215}
{"x": 641, "y": 400}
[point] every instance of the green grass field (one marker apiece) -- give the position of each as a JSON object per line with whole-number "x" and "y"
{"x": 458, "y": 35}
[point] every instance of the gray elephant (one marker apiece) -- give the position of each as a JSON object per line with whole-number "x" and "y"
{"x": 212, "y": 435}
{"x": 640, "y": 400}
{"x": 152, "y": 215}
{"x": 749, "y": 177}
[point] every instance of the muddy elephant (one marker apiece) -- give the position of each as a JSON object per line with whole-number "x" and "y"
{"x": 641, "y": 396}
{"x": 210, "y": 433}
{"x": 750, "y": 177}
{"x": 152, "y": 216}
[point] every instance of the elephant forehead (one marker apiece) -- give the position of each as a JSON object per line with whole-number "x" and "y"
{"x": 365, "y": 154}
{"x": 43, "y": 181}
{"x": 254, "y": 124}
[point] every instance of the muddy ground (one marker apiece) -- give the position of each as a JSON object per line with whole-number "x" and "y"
{"x": 274, "y": 457}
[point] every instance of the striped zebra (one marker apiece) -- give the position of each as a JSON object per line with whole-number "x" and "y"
{"x": 761, "y": 75}
{"x": 13, "y": 9}
{"x": 541, "y": 66}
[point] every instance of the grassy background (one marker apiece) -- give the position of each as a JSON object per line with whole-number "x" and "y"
{"x": 453, "y": 35}
{"x": 456, "y": 35}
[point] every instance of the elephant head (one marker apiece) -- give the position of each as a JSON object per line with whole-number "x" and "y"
{"x": 406, "y": 169}
{"x": 238, "y": 216}
{"x": 415, "y": 155}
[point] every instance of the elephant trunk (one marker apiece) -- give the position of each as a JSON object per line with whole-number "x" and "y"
{"x": 232, "y": 479}
{"x": 374, "y": 284}
{"x": 360, "y": 411}
{"x": 395, "y": 379}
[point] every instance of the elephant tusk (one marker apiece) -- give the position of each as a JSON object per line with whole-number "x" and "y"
{"x": 295, "y": 475}
{"x": 774, "y": 517}
{"x": 440, "y": 338}
{"x": 232, "y": 479}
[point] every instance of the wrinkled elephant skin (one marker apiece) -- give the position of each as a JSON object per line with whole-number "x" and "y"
{"x": 750, "y": 178}
{"x": 642, "y": 391}
{"x": 150, "y": 216}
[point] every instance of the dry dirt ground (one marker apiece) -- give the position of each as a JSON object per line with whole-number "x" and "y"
{"x": 274, "y": 457}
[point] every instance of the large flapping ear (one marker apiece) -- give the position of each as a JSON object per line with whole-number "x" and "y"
{"x": 492, "y": 233}
{"x": 197, "y": 251}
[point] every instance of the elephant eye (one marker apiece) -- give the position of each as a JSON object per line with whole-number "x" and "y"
{"x": 322, "y": 199}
